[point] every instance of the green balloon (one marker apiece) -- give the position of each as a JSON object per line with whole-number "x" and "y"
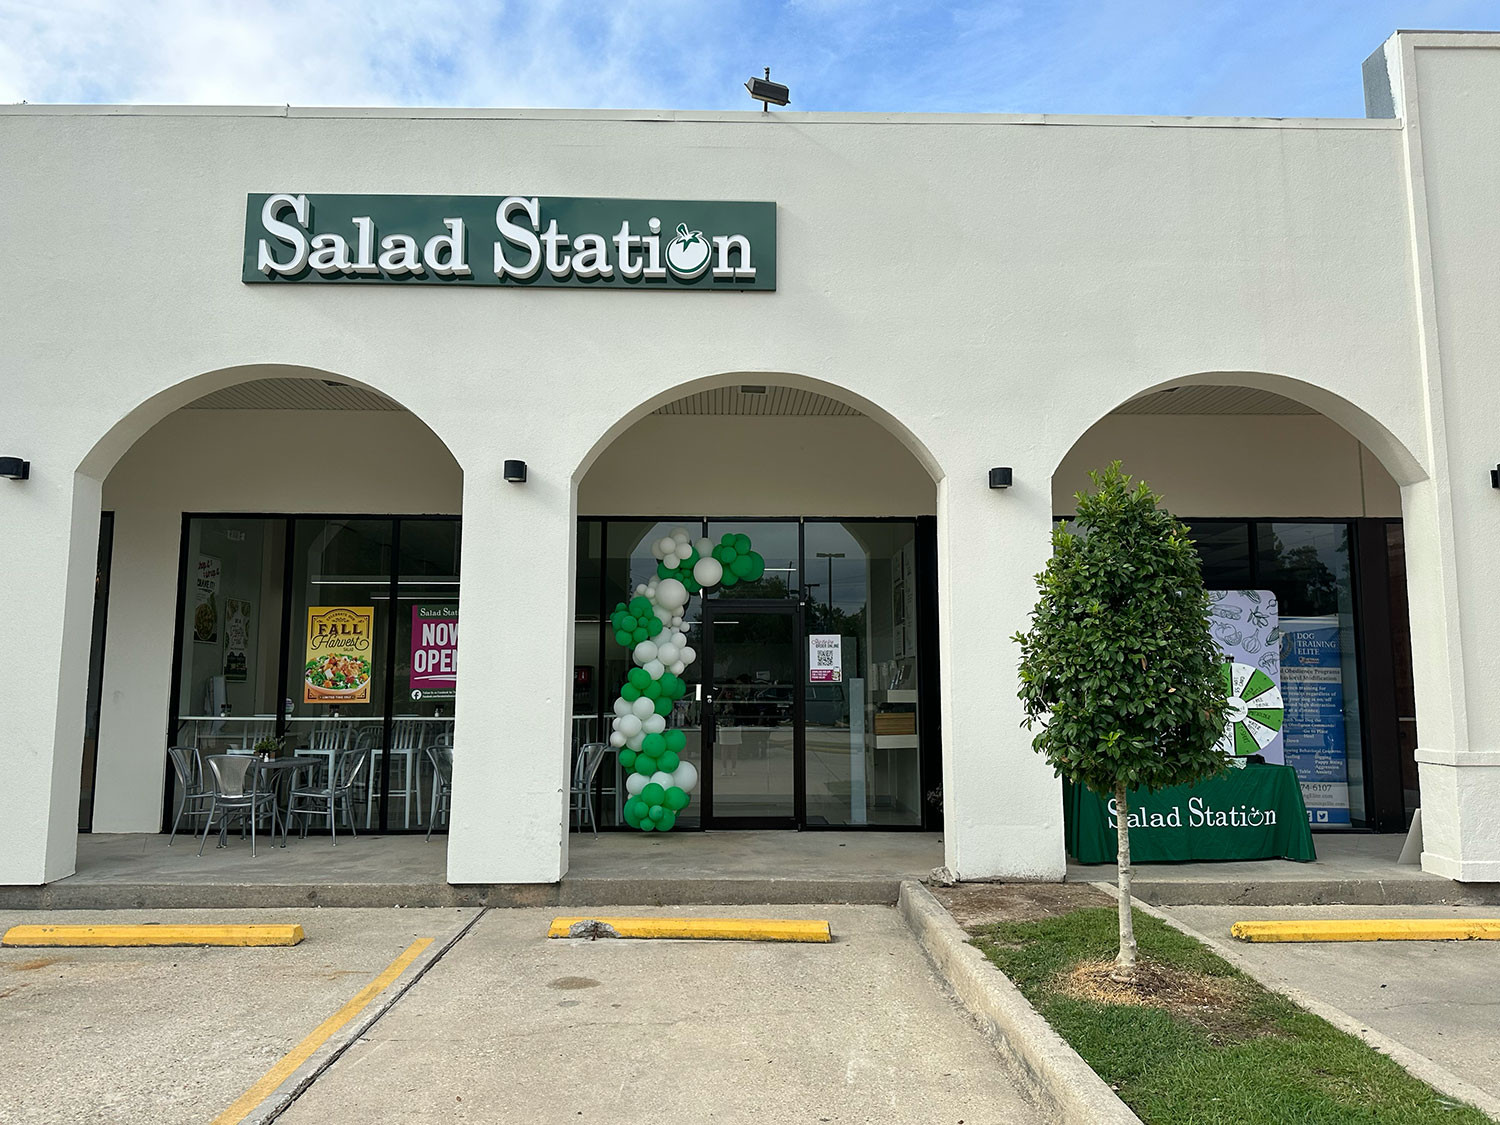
{"x": 757, "y": 567}
{"x": 662, "y": 571}
{"x": 652, "y": 690}
{"x": 692, "y": 584}
{"x": 668, "y": 818}
{"x": 653, "y": 744}
{"x": 730, "y": 578}
{"x": 667, "y": 760}
{"x": 640, "y": 605}
{"x": 631, "y": 818}
{"x": 721, "y": 551}
{"x": 742, "y": 566}
{"x": 652, "y": 794}
{"x": 676, "y": 798}
{"x": 639, "y": 677}
{"x": 646, "y": 824}
{"x": 645, "y": 764}
{"x": 623, "y": 639}
{"x": 627, "y": 759}
{"x": 728, "y": 539}
{"x": 653, "y": 625}
{"x": 628, "y": 622}
{"x": 664, "y": 706}
{"x": 630, "y": 693}
{"x": 639, "y": 634}
{"x": 676, "y": 740}
{"x": 742, "y": 543}
{"x": 636, "y": 807}
{"x": 693, "y": 557}
{"x": 656, "y": 812}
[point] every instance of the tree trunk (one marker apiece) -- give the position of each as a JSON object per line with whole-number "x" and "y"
{"x": 1125, "y": 959}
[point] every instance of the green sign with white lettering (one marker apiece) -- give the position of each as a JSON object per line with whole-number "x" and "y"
{"x": 514, "y": 240}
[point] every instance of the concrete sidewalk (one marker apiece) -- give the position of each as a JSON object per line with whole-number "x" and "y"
{"x": 1440, "y": 1000}
{"x": 617, "y": 868}
{"x": 1353, "y": 868}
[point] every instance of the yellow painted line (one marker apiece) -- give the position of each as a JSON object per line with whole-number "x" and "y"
{"x": 110, "y": 936}
{"x": 704, "y": 929}
{"x": 304, "y": 1050}
{"x": 1372, "y": 929}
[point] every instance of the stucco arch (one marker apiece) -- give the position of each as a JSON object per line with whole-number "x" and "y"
{"x": 869, "y": 408}
{"x": 110, "y": 446}
{"x": 1405, "y": 465}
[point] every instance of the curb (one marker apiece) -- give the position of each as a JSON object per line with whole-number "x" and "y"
{"x": 1418, "y": 1065}
{"x": 1311, "y": 892}
{"x": 584, "y": 893}
{"x": 280, "y": 1099}
{"x": 1054, "y": 1073}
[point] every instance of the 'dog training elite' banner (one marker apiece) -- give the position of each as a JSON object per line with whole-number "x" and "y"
{"x": 1313, "y": 679}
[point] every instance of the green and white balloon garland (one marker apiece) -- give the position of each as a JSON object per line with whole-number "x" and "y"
{"x": 650, "y": 627}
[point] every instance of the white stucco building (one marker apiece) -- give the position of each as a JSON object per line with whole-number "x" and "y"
{"x": 1291, "y": 328}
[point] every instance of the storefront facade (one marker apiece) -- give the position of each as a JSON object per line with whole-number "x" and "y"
{"x": 1285, "y": 326}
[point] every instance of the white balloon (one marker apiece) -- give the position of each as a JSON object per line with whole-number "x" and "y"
{"x": 704, "y": 547}
{"x": 622, "y": 706}
{"x": 635, "y": 741}
{"x": 685, "y": 776}
{"x": 656, "y": 548}
{"x": 640, "y": 588}
{"x": 688, "y": 655}
{"x": 666, "y": 544}
{"x": 630, "y": 725}
{"x": 655, "y": 724}
{"x": 645, "y": 652}
{"x": 635, "y": 783}
{"x": 654, "y": 669}
{"x": 663, "y": 614}
{"x": 708, "y": 571}
{"x": 680, "y": 534}
{"x": 617, "y": 740}
{"x": 678, "y": 669}
{"x": 676, "y": 619}
{"x": 679, "y": 639}
{"x": 642, "y": 708}
{"x": 671, "y": 595}
{"x": 662, "y": 778}
{"x": 667, "y": 653}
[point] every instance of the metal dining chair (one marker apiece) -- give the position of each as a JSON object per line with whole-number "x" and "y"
{"x": 192, "y": 797}
{"x": 585, "y": 769}
{"x": 332, "y": 798}
{"x": 441, "y": 757}
{"x": 236, "y": 790}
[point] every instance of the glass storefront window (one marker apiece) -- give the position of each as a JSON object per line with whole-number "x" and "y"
{"x": 368, "y": 641}
{"x": 426, "y": 668}
{"x": 863, "y": 750}
{"x": 1307, "y": 565}
{"x": 776, "y": 541}
{"x": 229, "y": 679}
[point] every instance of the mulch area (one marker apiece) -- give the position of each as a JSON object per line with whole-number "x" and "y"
{"x": 982, "y": 904}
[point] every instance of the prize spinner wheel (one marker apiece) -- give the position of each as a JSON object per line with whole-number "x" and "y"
{"x": 1255, "y": 710}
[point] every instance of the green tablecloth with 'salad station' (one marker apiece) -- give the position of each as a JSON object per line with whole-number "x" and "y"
{"x": 1250, "y": 813}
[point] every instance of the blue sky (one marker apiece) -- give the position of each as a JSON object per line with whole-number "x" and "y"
{"x": 1272, "y": 58}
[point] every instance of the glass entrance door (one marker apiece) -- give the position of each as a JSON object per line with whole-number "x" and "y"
{"x": 752, "y": 720}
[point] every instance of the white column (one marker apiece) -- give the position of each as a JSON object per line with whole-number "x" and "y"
{"x": 48, "y": 554}
{"x": 512, "y": 729}
{"x": 1002, "y": 804}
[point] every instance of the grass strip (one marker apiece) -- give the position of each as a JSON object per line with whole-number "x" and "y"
{"x": 1208, "y": 1045}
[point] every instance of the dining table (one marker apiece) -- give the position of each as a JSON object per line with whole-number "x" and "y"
{"x": 284, "y": 770}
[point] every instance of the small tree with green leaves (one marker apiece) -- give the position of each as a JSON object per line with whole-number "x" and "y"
{"x": 1119, "y": 669}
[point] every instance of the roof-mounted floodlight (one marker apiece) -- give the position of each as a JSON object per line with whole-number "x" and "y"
{"x": 768, "y": 93}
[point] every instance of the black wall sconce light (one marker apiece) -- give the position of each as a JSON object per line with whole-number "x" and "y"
{"x": 1495, "y": 477}
{"x": 13, "y": 468}
{"x": 1000, "y": 478}
{"x": 515, "y": 472}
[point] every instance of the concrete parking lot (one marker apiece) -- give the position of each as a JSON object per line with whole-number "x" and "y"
{"x": 175, "y": 1035}
{"x": 507, "y": 1026}
{"x": 1439, "y": 999}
